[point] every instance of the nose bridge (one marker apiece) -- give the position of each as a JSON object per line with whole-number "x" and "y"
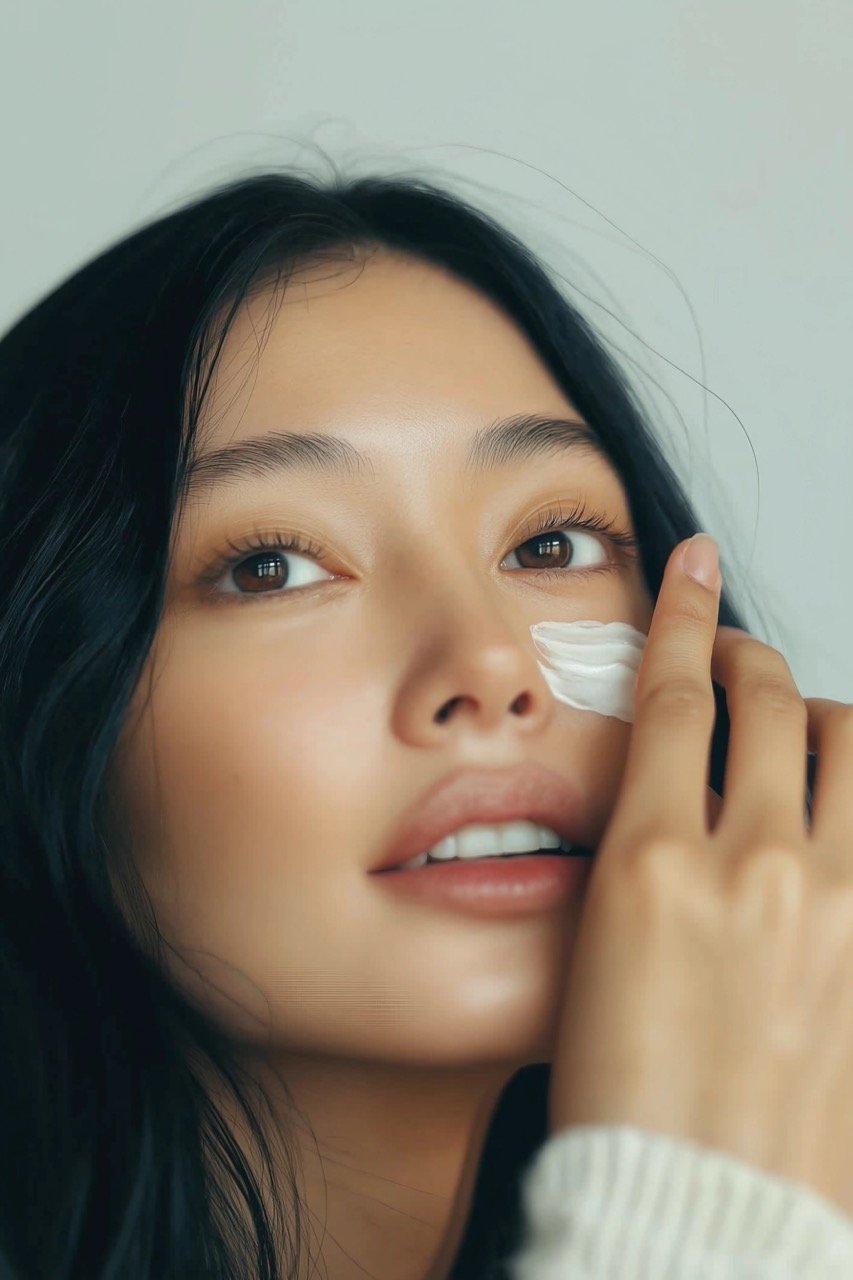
{"x": 439, "y": 561}
{"x": 433, "y": 548}
{"x": 475, "y": 650}
{"x": 465, "y": 652}
{"x": 447, "y": 587}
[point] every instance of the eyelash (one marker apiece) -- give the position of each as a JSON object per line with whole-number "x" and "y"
{"x": 553, "y": 520}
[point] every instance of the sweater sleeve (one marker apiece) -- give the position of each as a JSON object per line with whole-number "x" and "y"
{"x": 615, "y": 1202}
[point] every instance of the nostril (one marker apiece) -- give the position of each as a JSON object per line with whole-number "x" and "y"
{"x": 519, "y": 705}
{"x": 445, "y": 711}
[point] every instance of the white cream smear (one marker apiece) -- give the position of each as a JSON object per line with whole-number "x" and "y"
{"x": 591, "y": 666}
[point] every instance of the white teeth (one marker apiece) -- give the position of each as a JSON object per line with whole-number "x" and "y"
{"x": 478, "y": 841}
{"x": 445, "y": 848}
{"x": 419, "y": 861}
{"x": 514, "y": 837}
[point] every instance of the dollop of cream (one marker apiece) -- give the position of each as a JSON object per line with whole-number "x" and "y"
{"x": 591, "y": 666}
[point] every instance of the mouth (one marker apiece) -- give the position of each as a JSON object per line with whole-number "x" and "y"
{"x": 526, "y": 796}
{"x": 577, "y": 851}
{"x": 498, "y": 887}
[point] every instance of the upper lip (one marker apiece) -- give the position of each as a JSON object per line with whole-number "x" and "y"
{"x": 528, "y": 791}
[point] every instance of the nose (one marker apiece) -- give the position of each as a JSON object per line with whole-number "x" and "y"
{"x": 488, "y": 685}
{"x": 474, "y": 671}
{"x": 519, "y": 705}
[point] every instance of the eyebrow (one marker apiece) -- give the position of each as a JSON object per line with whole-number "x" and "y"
{"x": 505, "y": 441}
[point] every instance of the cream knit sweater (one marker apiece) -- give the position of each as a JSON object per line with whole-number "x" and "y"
{"x": 620, "y": 1203}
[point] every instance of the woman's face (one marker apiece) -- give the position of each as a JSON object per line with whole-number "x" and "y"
{"x": 292, "y": 720}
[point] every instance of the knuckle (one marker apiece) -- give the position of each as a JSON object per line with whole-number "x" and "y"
{"x": 836, "y": 920}
{"x": 657, "y": 874}
{"x": 775, "y": 859}
{"x": 657, "y": 860}
{"x": 763, "y": 673}
{"x": 755, "y": 655}
{"x": 837, "y": 890}
{"x": 679, "y": 696}
{"x": 775, "y": 693}
{"x": 768, "y": 881}
{"x": 692, "y": 611}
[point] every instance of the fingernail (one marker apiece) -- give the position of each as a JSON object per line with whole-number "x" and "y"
{"x": 700, "y": 560}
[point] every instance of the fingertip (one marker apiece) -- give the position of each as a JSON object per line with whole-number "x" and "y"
{"x": 700, "y": 560}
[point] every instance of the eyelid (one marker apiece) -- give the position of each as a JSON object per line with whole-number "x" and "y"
{"x": 580, "y": 517}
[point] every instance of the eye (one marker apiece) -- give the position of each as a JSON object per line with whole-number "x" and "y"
{"x": 560, "y": 552}
{"x": 257, "y": 564}
{"x": 548, "y": 549}
{"x": 545, "y": 548}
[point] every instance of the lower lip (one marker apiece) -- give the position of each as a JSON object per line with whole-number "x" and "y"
{"x": 497, "y": 888}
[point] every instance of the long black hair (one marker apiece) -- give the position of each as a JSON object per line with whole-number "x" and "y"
{"x": 115, "y": 1163}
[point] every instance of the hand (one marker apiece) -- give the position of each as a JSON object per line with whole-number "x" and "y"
{"x": 710, "y": 989}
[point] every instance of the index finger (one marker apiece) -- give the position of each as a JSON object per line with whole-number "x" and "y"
{"x": 663, "y": 790}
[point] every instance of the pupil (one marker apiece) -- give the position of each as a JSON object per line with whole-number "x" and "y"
{"x": 553, "y": 544}
{"x": 269, "y": 565}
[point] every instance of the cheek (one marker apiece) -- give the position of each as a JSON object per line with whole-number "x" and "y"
{"x": 248, "y": 812}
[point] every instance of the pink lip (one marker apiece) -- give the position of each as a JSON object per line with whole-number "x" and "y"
{"x": 494, "y": 889}
{"x": 528, "y": 791}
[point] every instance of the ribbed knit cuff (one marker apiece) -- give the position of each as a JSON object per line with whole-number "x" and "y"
{"x": 619, "y": 1203}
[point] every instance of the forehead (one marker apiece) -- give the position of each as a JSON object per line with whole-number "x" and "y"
{"x": 389, "y": 344}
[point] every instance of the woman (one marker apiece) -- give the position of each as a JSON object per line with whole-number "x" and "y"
{"x": 233, "y": 1049}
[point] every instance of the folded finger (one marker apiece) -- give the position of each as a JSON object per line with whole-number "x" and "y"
{"x": 830, "y": 735}
{"x": 764, "y": 784}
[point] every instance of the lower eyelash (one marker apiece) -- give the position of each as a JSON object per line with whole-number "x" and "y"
{"x": 554, "y": 520}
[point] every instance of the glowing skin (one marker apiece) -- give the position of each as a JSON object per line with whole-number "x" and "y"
{"x": 273, "y": 742}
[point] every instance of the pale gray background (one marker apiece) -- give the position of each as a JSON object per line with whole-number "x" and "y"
{"x": 684, "y": 165}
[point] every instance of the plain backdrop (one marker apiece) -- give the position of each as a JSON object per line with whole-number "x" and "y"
{"x": 684, "y": 166}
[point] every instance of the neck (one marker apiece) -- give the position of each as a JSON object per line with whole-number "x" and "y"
{"x": 386, "y": 1158}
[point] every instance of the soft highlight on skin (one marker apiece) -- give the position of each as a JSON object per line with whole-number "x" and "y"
{"x": 196, "y": 780}
{"x": 281, "y": 739}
